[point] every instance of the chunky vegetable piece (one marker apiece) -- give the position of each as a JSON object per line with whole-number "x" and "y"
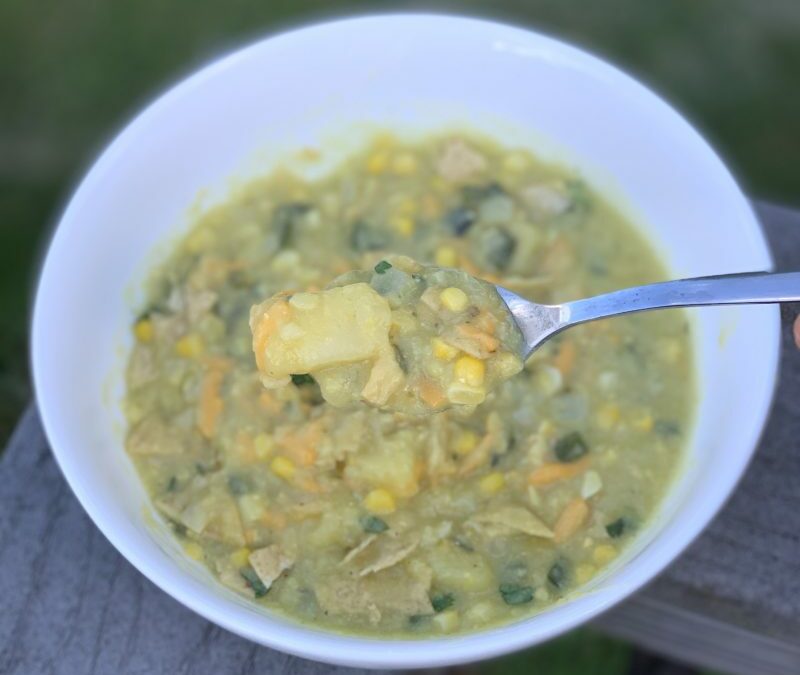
{"x": 360, "y": 519}
{"x": 401, "y": 337}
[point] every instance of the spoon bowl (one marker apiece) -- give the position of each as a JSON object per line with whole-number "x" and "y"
{"x": 539, "y": 322}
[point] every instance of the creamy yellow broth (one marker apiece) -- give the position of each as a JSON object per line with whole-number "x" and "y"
{"x": 361, "y": 520}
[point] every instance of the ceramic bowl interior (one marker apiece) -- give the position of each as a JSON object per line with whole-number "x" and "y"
{"x": 331, "y": 86}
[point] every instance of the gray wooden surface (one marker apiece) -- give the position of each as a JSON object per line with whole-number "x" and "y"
{"x": 72, "y": 604}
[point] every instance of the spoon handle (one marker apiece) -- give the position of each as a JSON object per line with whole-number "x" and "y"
{"x": 728, "y": 289}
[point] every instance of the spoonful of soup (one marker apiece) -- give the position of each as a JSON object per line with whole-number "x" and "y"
{"x": 419, "y": 339}
{"x": 402, "y": 337}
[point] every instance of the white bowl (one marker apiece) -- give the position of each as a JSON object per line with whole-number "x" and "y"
{"x": 329, "y": 84}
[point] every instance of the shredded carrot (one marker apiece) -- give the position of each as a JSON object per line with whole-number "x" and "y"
{"x": 430, "y": 206}
{"x": 215, "y": 362}
{"x": 269, "y": 403}
{"x": 564, "y": 360}
{"x": 308, "y": 484}
{"x": 210, "y": 405}
{"x": 305, "y": 455}
{"x": 301, "y": 445}
{"x": 265, "y": 327}
{"x": 420, "y": 467}
{"x": 571, "y": 519}
{"x": 485, "y": 322}
{"x": 274, "y": 520}
{"x": 557, "y": 471}
{"x": 430, "y": 393}
{"x": 479, "y": 456}
{"x": 245, "y": 448}
{"x": 484, "y": 340}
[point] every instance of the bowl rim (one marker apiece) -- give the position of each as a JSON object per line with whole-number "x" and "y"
{"x": 308, "y": 641}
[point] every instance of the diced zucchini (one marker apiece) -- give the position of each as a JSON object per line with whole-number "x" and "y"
{"x": 515, "y": 594}
{"x": 571, "y": 447}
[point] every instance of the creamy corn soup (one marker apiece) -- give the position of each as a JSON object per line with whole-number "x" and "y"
{"x": 357, "y": 519}
{"x": 402, "y": 336}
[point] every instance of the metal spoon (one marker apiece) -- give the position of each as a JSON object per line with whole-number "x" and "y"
{"x": 538, "y": 322}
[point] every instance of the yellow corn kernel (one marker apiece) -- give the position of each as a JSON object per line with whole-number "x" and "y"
{"x": 404, "y": 164}
{"x": 454, "y": 299}
{"x": 240, "y": 557}
{"x": 463, "y": 394}
{"x": 430, "y": 207}
{"x": 583, "y": 573}
{"x": 403, "y": 225}
{"x": 299, "y": 194}
{"x": 442, "y": 350}
{"x": 439, "y": 184}
{"x": 447, "y": 621}
{"x": 193, "y": 550}
{"x": 446, "y": 256}
{"x": 492, "y": 483}
{"x": 604, "y": 553}
{"x": 380, "y": 501}
{"x": 282, "y": 467}
{"x": 189, "y": 346}
{"x": 466, "y": 442}
{"x": 670, "y": 350}
{"x": 198, "y": 240}
{"x": 407, "y": 207}
{"x": 263, "y": 444}
{"x": 515, "y": 162}
{"x": 377, "y": 163}
{"x": 608, "y": 416}
{"x": 144, "y": 331}
{"x": 643, "y": 423}
{"x": 470, "y": 370}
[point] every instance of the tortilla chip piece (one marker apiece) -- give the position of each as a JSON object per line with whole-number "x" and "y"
{"x": 269, "y": 563}
{"x": 394, "y": 590}
{"x": 387, "y": 554}
{"x": 347, "y": 596}
{"x": 507, "y": 520}
{"x": 353, "y": 552}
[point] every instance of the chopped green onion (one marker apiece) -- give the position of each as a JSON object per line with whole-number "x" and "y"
{"x": 617, "y": 528}
{"x": 571, "y": 447}
{"x": 558, "y": 574}
{"x": 253, "y": 581}
{"x": 514, "y": 594}
{"x": 373, "y": 524}
{"x": 441, "y": 601}
{"x": 301, "y": 379}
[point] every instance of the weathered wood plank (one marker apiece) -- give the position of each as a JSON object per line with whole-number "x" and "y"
{"x": 71, "y": 604}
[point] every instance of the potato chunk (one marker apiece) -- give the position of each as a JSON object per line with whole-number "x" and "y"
{"x": 317, "y": 332}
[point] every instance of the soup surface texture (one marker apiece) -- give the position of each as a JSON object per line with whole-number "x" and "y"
{"x": 375, "y": 522}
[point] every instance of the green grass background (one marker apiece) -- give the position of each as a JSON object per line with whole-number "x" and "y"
{"x": 73, "y": 71}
